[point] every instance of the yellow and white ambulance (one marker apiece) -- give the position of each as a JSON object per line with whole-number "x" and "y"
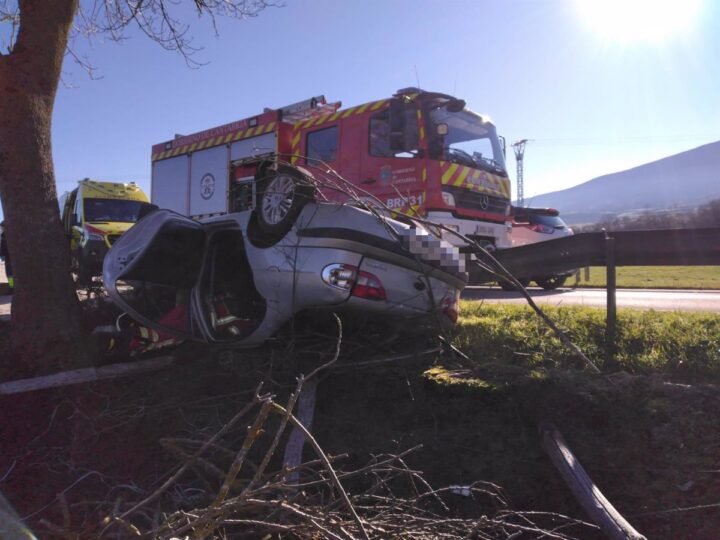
{"x": 94, "y": 215}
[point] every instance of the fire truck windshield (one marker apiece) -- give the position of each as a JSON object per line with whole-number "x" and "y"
{"x": 466, "y": 138}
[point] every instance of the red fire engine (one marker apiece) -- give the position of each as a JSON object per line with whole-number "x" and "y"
{"x": 420, "y": 153}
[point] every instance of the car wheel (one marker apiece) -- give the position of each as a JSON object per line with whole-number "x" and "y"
{"x": 82, "y": 278}
{"x": 281, "y": 196}
{"x": 551, "y": 283}
{"x": 509, "y": 286}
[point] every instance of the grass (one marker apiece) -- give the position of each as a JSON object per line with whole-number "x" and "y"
{"x": 655, "y": 277}
{"x": 680, "y": 345}
{"x": 640, "y": 439}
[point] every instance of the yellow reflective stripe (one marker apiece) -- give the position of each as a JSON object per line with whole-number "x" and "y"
{"x": 213, "y": 141}
{"x": 296, "y": 140}
{"x": 449, "y": 173}
{"x": 460, "y": 180}
{"x": 362, "y": 108}
{"x": 322, "y": 119}
{"x": 506, "y": 187}
{"x": 348, "y": 112}
{"x": 375, "y": 106}
{"x": 424, "y": 174}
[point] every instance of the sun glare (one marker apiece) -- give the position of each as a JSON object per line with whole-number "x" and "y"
{"x": 649, "y": 21}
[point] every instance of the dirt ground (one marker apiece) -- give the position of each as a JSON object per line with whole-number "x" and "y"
{"x": 72, "y": 455}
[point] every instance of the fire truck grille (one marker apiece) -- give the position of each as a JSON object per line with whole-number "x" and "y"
{"x": 112, "y": 237}
{"x": 473, "y": 200}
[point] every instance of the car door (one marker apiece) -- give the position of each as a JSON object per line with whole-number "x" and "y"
{"x": 185, "y": 279}
{"x": 152, "y": 269}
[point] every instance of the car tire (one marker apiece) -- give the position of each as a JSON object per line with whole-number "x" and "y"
{"x": 82, "y": 278}
{"x": 509, "y": 286}
{"x": 550, "y": 283}
{"x": 281, "y": 195}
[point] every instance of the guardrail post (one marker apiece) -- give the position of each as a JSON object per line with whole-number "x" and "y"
{"x": 611, "y": 323}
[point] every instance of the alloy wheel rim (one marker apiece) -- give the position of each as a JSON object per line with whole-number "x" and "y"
{"x": 278, "y": 199}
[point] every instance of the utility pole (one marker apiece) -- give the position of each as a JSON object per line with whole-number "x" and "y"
{"x": 519, "y": 148}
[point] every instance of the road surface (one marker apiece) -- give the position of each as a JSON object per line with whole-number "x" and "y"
{"x": 660, "y": 300}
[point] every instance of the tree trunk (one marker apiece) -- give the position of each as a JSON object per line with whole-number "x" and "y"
{"x": 45, "y": 322}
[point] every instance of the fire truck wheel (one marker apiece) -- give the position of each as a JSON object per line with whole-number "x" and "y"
{"x": 281, "y": 196}
{"x": 550, "y": 283}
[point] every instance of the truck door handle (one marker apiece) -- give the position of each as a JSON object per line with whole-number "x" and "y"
{"x": 368, "y": 181}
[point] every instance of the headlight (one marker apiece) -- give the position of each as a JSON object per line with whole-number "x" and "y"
{"x": 448, "y": 198}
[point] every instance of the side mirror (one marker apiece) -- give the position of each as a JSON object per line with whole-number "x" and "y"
{"x": 456, "y": 105}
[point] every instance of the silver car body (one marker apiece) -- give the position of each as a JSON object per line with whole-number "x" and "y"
{"x": 219, "y": 280}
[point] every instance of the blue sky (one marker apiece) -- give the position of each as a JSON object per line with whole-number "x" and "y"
{"x": 591, "y": 103}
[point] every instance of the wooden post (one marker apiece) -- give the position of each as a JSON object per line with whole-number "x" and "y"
{"x": 611, "y": 324}
{"x": 305, "y": 414}
{"x": 599, "y": 508}
{"x": 84, "y": 375}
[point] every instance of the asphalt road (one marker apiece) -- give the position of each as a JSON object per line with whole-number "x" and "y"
{"x": 660, "y": 300}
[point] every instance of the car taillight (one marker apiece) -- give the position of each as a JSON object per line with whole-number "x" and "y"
{"x": 359, "y": 283}
{"x": 545, "y": 229}
{"x": 368, "y": 286}
{"x": 450, "y": 306}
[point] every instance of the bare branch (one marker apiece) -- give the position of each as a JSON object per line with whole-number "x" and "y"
{"x": 159, "y": 20}
{"x": 10, "y": 15}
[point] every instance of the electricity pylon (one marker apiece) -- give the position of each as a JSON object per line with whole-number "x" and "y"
{"x": 519, "y": 148}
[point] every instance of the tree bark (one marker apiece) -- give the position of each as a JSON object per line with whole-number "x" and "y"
{"x": 45, "y": 321}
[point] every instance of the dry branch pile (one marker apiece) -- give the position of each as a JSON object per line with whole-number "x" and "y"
{"x": 218, "y": 491}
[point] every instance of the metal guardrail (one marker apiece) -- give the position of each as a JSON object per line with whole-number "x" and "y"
{"x": 661, "y": 247}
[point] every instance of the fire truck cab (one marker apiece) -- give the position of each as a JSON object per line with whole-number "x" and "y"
{"x": 418, "y": 153}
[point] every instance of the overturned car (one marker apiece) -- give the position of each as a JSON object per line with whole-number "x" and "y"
{"x": 225, "y": 280}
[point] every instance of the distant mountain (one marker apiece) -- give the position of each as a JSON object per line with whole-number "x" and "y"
{"x": 683, "y": 180}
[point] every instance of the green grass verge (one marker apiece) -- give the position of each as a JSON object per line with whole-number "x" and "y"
{"x": 655, "y": 277}
{"x": 681, "y": 345}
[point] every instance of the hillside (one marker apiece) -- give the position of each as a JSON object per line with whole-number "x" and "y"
{"x": 684, "y": 180}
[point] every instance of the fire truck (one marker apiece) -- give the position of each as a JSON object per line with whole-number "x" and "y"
{"x": 418, "y": 153}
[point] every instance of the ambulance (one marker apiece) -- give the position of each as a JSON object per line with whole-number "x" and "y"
{"x": 94, "y": 215}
